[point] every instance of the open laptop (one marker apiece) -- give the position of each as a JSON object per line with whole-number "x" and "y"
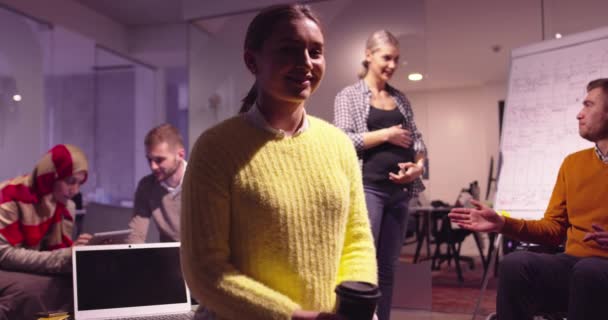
{"x": 124, "y": 281}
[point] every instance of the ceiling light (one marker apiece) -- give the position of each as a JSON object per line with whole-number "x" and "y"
{"x": 415, "y": 76}
{"x": 17, "y": 98}
{"x": 558, "y": 36}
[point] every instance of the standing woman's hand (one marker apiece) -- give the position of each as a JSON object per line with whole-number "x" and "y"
{"x": 408, "y": 172}
{"x": 399, "y": 136}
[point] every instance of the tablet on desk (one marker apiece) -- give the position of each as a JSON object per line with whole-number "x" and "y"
{"x": 110, "y": 237}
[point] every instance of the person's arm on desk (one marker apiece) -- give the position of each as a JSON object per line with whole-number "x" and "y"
{"x": 27, "y": 260}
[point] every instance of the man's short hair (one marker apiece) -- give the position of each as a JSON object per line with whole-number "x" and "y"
{"x": 598, "y": 83}
{"x": 164, "y": 133}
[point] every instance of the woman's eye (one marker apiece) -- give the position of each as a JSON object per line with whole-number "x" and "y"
{"x": 315, "y": 53}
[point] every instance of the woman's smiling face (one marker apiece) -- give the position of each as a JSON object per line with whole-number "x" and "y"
{"x": 290, "y": 64}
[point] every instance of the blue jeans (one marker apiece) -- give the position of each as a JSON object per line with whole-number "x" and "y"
{"x": 387, "y": 211}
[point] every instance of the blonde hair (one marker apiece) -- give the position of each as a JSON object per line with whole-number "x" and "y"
{"x": 374, "y": 42}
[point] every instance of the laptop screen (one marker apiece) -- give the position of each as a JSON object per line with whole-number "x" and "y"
{"x": 125, "y": 278}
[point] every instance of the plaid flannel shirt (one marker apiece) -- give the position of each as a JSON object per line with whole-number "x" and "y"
{"x": 351, "y": 109}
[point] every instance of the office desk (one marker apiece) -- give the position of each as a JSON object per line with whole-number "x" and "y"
{"x": 423, "y": 228}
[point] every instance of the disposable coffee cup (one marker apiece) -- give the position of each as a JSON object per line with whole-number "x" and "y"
{"x": 357, "y": 300}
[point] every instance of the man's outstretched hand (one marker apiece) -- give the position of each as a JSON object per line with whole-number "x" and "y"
{"x": 481, "y": 218}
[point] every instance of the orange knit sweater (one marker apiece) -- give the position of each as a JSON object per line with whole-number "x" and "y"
{"x": 580, "y": 198}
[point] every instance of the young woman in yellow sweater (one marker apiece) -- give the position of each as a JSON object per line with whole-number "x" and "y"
{"x": 273, "y": 210}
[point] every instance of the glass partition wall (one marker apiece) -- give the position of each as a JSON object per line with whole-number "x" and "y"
{"x": 125, "y": 109}
{"x": 57, "y": 86}
{"x": 24, "y": 60}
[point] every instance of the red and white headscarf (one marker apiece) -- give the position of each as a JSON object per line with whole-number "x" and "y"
{"x": 30, "y": 217}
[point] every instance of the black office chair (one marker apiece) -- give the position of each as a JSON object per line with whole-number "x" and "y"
{"x": 443, "y": 233}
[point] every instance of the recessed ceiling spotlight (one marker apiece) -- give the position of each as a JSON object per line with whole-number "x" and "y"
{"x": 415, "y": 76}
{"x": 17, "y": 98}
{"x": 558, "y": 36}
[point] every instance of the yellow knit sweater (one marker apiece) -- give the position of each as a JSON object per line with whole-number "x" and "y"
{"x": 578, "y": 199}
{"x": 272, "y": 225}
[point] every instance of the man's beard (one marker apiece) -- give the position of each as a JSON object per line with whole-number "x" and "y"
{"x": 171, "y": 172}
{"x": 595, "y": 136}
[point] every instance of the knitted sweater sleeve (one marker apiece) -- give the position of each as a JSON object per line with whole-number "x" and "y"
{"x": 358, "y": 260}
{"x": 16, "y": 258}
{"x": 205, "y": 242}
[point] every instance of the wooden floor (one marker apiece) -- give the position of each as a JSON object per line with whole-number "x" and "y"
{"x": 421, "y": 315}
{"x": 455, "y": 300}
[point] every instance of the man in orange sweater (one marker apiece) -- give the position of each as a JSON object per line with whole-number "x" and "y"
{"x": 576, "y": 280}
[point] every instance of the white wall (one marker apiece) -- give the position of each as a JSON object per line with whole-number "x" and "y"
{"x": 460, "y": 128}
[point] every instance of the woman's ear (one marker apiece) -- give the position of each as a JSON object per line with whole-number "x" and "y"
{"x": 249, "y": 58}
{"x": 368, "y": 55}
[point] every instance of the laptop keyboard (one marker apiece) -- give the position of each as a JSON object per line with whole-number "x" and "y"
{"x": 180, "y": 316}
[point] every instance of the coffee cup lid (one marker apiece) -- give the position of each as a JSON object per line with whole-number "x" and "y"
{"x": 357, "y": 288}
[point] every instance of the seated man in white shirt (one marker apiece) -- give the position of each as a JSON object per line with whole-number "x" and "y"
{"x": 158, "y": 195}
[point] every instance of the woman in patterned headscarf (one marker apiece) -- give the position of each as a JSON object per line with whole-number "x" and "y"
{"x": 36, "y": 220}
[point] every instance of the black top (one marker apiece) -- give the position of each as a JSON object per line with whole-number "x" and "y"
{"x": 383, "y": 158}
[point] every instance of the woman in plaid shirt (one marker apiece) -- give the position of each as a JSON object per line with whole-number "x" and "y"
{"x": 379, "y": 120}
